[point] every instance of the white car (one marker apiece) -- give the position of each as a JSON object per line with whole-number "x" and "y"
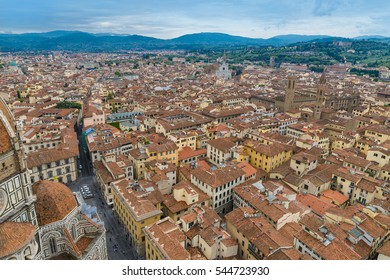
{"x": 88, "y": 195}
{"x": 84, "y": 189}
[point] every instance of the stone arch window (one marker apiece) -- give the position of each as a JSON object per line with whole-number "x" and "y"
{"x": 3, "y": 201}
{"x": 27, "y": 252}
{"x": 53, "y": 245}
{"x": 72, "y": 228}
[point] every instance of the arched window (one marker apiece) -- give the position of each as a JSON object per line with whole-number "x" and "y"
{"x": 27, "y": 252}
{"x": 3, "y": 201}
{"x": 53, "y": 245}
{"x": 74, "y": 233}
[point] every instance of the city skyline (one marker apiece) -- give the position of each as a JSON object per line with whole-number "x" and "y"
{"x": 169, "y": 19}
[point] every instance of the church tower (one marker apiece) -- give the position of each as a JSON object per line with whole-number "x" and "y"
{"x": 320, "y": 98}
{"x": 272, "y": 62}
{"x": 223, "y": 71}
{"x": 290, "y": 93}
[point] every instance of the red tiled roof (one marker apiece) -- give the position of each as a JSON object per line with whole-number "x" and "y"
{"x": 315, "y": 204}
{"x": 187, "y": 152}
{"x": 14, "y": 236}
{"x": 54, "y": 201}
{"x": 335, "y": 196}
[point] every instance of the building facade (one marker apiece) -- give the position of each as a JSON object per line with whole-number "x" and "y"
{"x": 46, "y": 220}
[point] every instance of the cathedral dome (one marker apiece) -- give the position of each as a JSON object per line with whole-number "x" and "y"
{"x": 14, "y": 236}
{"x": 54, "y": 201}
{"x": 7, "y": 128}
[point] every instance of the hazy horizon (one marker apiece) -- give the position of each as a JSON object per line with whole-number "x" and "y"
{"x": 121, "y": 34}
{"x": 170, "y": 19}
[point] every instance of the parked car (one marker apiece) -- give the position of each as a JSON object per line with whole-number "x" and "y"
{"x": 84, "y": 188}
{"x": 88, "y": 195}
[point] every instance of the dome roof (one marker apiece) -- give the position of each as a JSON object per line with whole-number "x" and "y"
{"x": 7, "y": 113}
{"x": 14, "y": 236}
{"x": 7, "y": 126}
{"x": 54, "y": 201}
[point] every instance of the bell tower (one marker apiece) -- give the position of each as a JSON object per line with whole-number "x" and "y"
{"x": 320, "y": 98}
{"x": 290, "y": 93}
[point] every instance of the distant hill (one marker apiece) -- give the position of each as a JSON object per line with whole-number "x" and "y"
{"x": 295, "y": 38}
{"x": 369, "y": 37}
{"x": 208, "y": 38}
{"x": 82, "y": 41}
{"x": 75, "y": 41}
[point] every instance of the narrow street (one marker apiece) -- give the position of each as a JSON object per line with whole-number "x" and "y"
{"x": 118, "y": 246}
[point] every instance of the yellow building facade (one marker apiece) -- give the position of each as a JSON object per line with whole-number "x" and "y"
{"x": 183, "y": 139}
{"x": 378, "y": 132}
{"x": 268, "y": 156}
{"x": 165, "y": 152}
{"x": 134, "y": 212}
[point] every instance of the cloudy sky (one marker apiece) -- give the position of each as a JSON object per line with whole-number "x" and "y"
{"x": 169, "y": 19}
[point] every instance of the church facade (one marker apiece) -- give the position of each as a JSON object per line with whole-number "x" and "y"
{"x": 45, "y": 220}
{"x": 223, "y": 72}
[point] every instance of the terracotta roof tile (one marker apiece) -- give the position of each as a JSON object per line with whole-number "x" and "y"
{"x": 288, "y": 254}
{"x": 216, "y": 178}
{"x": 385, "y": 249}
{"x": 139, "y": 203}
{"x": 54, "y": 201}
{"x": 222, "y": 144}
{"x": 336, "y": 250}
{"x": 168, "y": 238}
{"x": 315, "y": 204}
{"x": 367, "y": 184}
{"x": 83, "y": 243}
{"x": 5, "y": 140}
{"x": 187, "y": 152}
{"x": 14, "y": 236}
{"x": 7, "y": 113}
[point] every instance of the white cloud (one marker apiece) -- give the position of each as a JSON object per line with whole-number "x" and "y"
{"x": 168, "y": 18}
